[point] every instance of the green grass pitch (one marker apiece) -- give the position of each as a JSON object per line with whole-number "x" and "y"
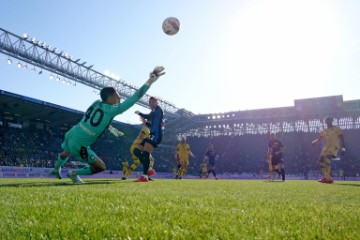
{"x": 175, "y": 209}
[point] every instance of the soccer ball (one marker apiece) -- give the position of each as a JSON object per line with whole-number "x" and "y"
{"x": 171, "y": 26}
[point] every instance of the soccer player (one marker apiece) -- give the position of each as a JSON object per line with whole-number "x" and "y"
{"x": 183, "y": 151}
{"x": 203, "y": 171}
{"x": 178, "y": 162}
{"x": 125, "y": 165}
{"x": 156, "y": 119}
{"x": 332, "y": 135}
{"x": 211, "y": 157}
{"x": 96, "y": 119}
{"x": 144, "y": 133}
{"x": 275, "y": 157}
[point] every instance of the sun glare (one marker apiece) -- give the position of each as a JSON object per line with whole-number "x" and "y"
{"x": 282, "y": 45}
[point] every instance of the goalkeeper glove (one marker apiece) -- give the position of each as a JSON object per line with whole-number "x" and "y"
{"x": 115, "y": 132}
{"x": 155, "y": 74}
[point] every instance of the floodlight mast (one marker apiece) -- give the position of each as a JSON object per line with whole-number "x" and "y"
{"x": 43, "y": 56}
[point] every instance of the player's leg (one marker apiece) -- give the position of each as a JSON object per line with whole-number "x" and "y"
{"x": 322, "y": 164}
{"x": 152, "y": 161}
{"x": 149, "y": 145}
{"x": 208, "y": 173}
{"x": 178, "y": 169}
{"x": 183, "y": 169}
{"x": 88, "y": 156}
{"x": 184, "y": 165}
{"x": 135, "y": 154}
{"x": 133, "y": 167}
{"x": 282, "y": 170}
{"x": 275, "y": 167}
{"x": 271, "y": 167}
{"x": 151, "y": 170}
{"x": 328, "y": 168}
{"x": 214, "y": 173}
{"x": 179, "y": 172}
{"x": 61, "y": 160}
{"x": 145, "y": 155}
{"x": 124, "y": 168}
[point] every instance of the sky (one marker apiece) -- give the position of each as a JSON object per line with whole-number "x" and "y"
{"x": 229, "y": 55}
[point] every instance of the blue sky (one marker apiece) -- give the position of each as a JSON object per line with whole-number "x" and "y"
{"x": 228, "y": 55}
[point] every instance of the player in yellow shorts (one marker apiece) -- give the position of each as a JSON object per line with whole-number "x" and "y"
{"x": 332, "y": 135}
{"x": 203, "y": 171}
{"x": 144, "y": 133}
{"x": 125, "y": 165}
{"x": 183, "y": 150}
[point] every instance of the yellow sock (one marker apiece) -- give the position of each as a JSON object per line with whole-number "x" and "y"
{"x": 130, "y": 169}
{"x": 327, "y": 169}
{"x": 181, "y": 172}
{"x": 323, "y": 170}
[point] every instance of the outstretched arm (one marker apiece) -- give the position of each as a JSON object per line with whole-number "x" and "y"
{"x": 317, "y": 140}
{"x": 154, "y": 75}
{"x": 146, "y": 116}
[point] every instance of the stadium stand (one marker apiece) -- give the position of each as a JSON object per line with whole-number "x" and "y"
{"x": 31, "y": 132}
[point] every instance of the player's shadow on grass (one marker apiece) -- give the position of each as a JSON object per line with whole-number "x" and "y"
{"x": 56, "y": 184}
{"x": 271, "y": 181}
{"x": 349, "y": 184}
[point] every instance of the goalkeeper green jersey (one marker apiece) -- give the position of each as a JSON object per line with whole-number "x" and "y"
{"x": 99, "y": 116}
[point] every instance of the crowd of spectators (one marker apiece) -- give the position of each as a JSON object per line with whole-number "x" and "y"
{"x": 237, "y": 154}
{"x": 39, "y": 148}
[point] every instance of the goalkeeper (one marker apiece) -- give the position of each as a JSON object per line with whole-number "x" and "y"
{"x": 96, "y": 119}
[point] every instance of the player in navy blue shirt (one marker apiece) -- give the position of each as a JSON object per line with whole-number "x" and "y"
{"x": 156, "y": 119}
{"x": 210, "y": 157}
{"x": 275, "y": 157}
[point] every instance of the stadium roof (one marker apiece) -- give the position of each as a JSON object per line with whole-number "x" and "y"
{"x": 25, "y": 110}
{"x": 18, "y": 109}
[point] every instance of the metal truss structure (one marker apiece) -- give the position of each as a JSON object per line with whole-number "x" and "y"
{"x": 306, "y": 114}
{"x": 43, "y": 56}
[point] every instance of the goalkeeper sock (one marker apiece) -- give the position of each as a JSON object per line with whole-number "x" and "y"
{"x": 60, "y": 162}
{"x": 84, "y": 171}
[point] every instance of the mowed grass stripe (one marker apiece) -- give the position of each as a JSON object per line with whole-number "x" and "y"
{"x": 175, "y": 209}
